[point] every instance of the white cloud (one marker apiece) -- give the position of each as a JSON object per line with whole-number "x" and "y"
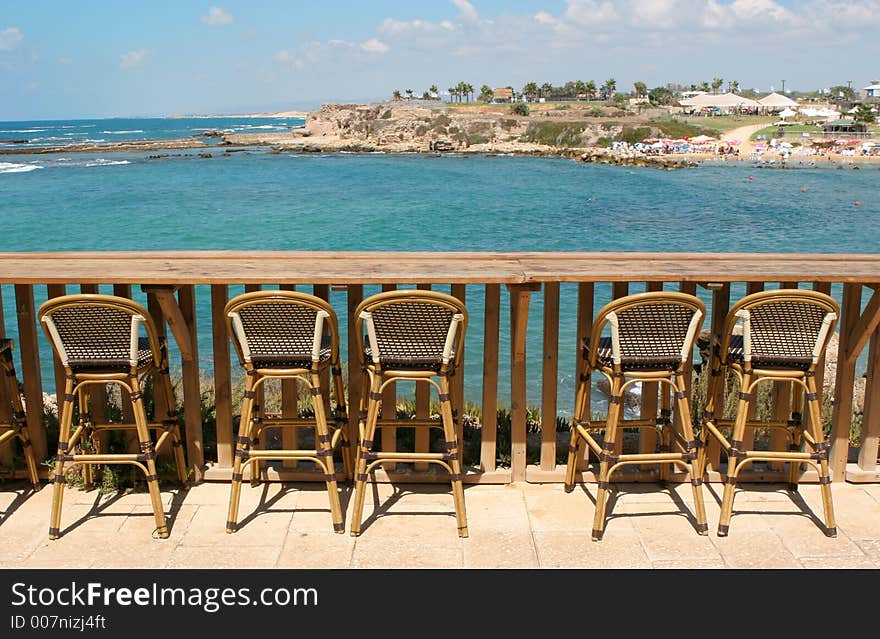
{"x": 288, "y": 60}
{"x": 466, "y": 10}
{"x": 217, "y": 16}
{"x": 10, "y": 38}
{"x": 132, "y": 59}
{"x": 374, "y": 45}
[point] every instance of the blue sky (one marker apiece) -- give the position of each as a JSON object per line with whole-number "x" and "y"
{"x": 101, "y": 58}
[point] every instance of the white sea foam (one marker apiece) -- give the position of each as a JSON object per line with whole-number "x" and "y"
{"x": 12, "y": 167}
{"x": 104, "y": 162}
{"x": 122, "y": 132}
{"x": 3, "y": 131}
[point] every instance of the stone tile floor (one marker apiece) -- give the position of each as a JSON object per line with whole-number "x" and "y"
{"x": 413, "y": 526}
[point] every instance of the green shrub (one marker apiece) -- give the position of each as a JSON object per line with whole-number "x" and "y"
{"x": 520, "y": 108}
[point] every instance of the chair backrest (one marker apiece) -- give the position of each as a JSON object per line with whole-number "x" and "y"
{"x": 411, "y": 328}
{"x": 786, "y": 325}
{"x": 655, "y": 328}
{"x": 90, "y": 329}
{"x": 283, "y": 325}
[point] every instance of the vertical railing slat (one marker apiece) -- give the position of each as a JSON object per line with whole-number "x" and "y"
{"x": 29, "y": 351}
{"x": 585, "y": 297}
{"x": 648, "y": 409}
{"x": 290, "y": 401}
{"x": 222, "y": 376}
{"x": 749, "y": 434}
{"x": 519, "y": 320}
{"x": 720, "y": 308}
{"x": 131, "y": 441}
{"x": 388, "y": 434}
{"x": 192, "y": 413}
{"x": 355, "y": 294}
{"x": 870, "y": 436}
{"x": 459, "y": 291}
{"x": 841, "y": 418}
{"x": 57, "y": 290}
{"x": 423, "y": 411}
{"x": 550, "y": 376}
{"x": 489, "y": 410}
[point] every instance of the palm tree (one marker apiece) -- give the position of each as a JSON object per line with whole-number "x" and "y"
{"x": 426, "y": 95}
{"x": 716, "y": 84}
{"x": 546, "y": 90}
{"x": 609, "y": 87}
{"x": 396, "y": 94}
{"x": 590, "y": 89}
{"x": 580, "y": 88}
{"x": 641, "y": 89}
{"x": 409, "y": 93}
{"x": 486, "y": 93}
{"x": 453, "y": 92}
{"x": 530, "y": 90}
{"x": 704, "y": 86}
{"x": 734, "y": 86}
{"x": 468, "y": 90}
{"x": 433, "y": 90}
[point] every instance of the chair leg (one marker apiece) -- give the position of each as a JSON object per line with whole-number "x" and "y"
{"x": 147, "y": 447}
{"x": 687, "y": 428}
{"x": 454, "y": 450}
{"x": 367, "y": 429}
{"x": 176, "y": 440}
{"x": 21, "y": 428}
{"x": 716, "y": 378}
{"x": 322, "y": 436}
{"x": 614, "y": 408}
{"x": 666, "y": 433}
{"x": 58, "y": 483}
{"x": 739, "y": 427}
{"x": 581, "y": 414}
{"x": 242, "y": 445}
{"x": 341, "y": 416}
{"x": 259, "y": 435}
{"x": 824, "y": 472}
{"x": 85, "y": 415}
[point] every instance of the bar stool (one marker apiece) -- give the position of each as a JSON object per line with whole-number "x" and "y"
{"x": 784, "y": 334}
{"x": 651, "y": 339}
{"x": 288, "y": 335}
{"x": 17, "y": 428}
{"x": 97, "y": 338}
{"x": 416, "y": 336}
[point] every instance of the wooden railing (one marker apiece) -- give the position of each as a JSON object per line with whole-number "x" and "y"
{"x": 571, "y": 287}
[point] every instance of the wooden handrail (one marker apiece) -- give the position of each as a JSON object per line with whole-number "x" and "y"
{"x": 342, "y": 267}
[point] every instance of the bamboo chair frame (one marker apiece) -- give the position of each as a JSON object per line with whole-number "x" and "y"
{"x": 90, "y": 369}
{"x": 17, "y": 428}
{"x": 622, "y": 370}
{"x": 307, "y": 368}
{"x": 379, "y": 371}
{"x": 804, "y": 390}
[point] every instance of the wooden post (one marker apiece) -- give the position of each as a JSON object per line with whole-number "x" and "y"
{"x": 6, "y": 452}
{"x": 423, "y": 411}
{"x": 821, "y": 287}
{"x": 749, "y": 433}
{"x": 158, "y": 318}
{"x": 192, "y": 413}
{"x": 870, "y": 439}
{"x": 841, "y": 417}
{"x": 489, "y": 430}
{"x": 549, "y": 376}
{"x": 519, "y": 321}
{"x": 459, "y": 291}
{"x": 584, "y": 327}
{"x": 389, "y": 411}
{"x": 30, "y": 367}
{"x": 222, "y": 376}
{"x": 648, "y": 409}
{"x": 355, "y": 296}
{"x": 720, "y": 308}
{"x": 290, "y": 404}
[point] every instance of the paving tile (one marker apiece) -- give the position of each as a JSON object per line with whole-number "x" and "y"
{"x": 316, "y": 550}
{"x": 754, "y": 546}
{"x": 574, "y": 549}
{"x": 72, "y": 550}
{"x": 667, "y": 533}
{"x": 838, "y": 563}
{"x": 140, "y": 523}
{"x": 422, "y": 541}
{"x": 230, "y": 557}
{"x": 136, "y": 552}
{"x": 804, "y": 538}
{"x": 871, "y": 548}
{"x": 679, "y": 564}
{"x": 550, "y": 508}
{"x": 208, "y": 528}
{"x": 494, "y": 548}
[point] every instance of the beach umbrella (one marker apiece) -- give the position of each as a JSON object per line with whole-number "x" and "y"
{"x": 787, "y": 113}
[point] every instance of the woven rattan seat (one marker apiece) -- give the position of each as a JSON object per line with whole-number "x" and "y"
{"x": 290, "y": 336}
{"x": 651, "y": 341}
{"x": 114, "y": 365}
{"x": 16, "y": 428}
{"x": 99, "y": 340}
{"x": 735, "y": 355}
{"x": 413, "y": 336}
{"x": 777, "y": 336}
{"x": 643, "y": 363}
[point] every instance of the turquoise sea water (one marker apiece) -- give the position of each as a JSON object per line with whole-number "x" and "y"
{"x": 257, "y": 200}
